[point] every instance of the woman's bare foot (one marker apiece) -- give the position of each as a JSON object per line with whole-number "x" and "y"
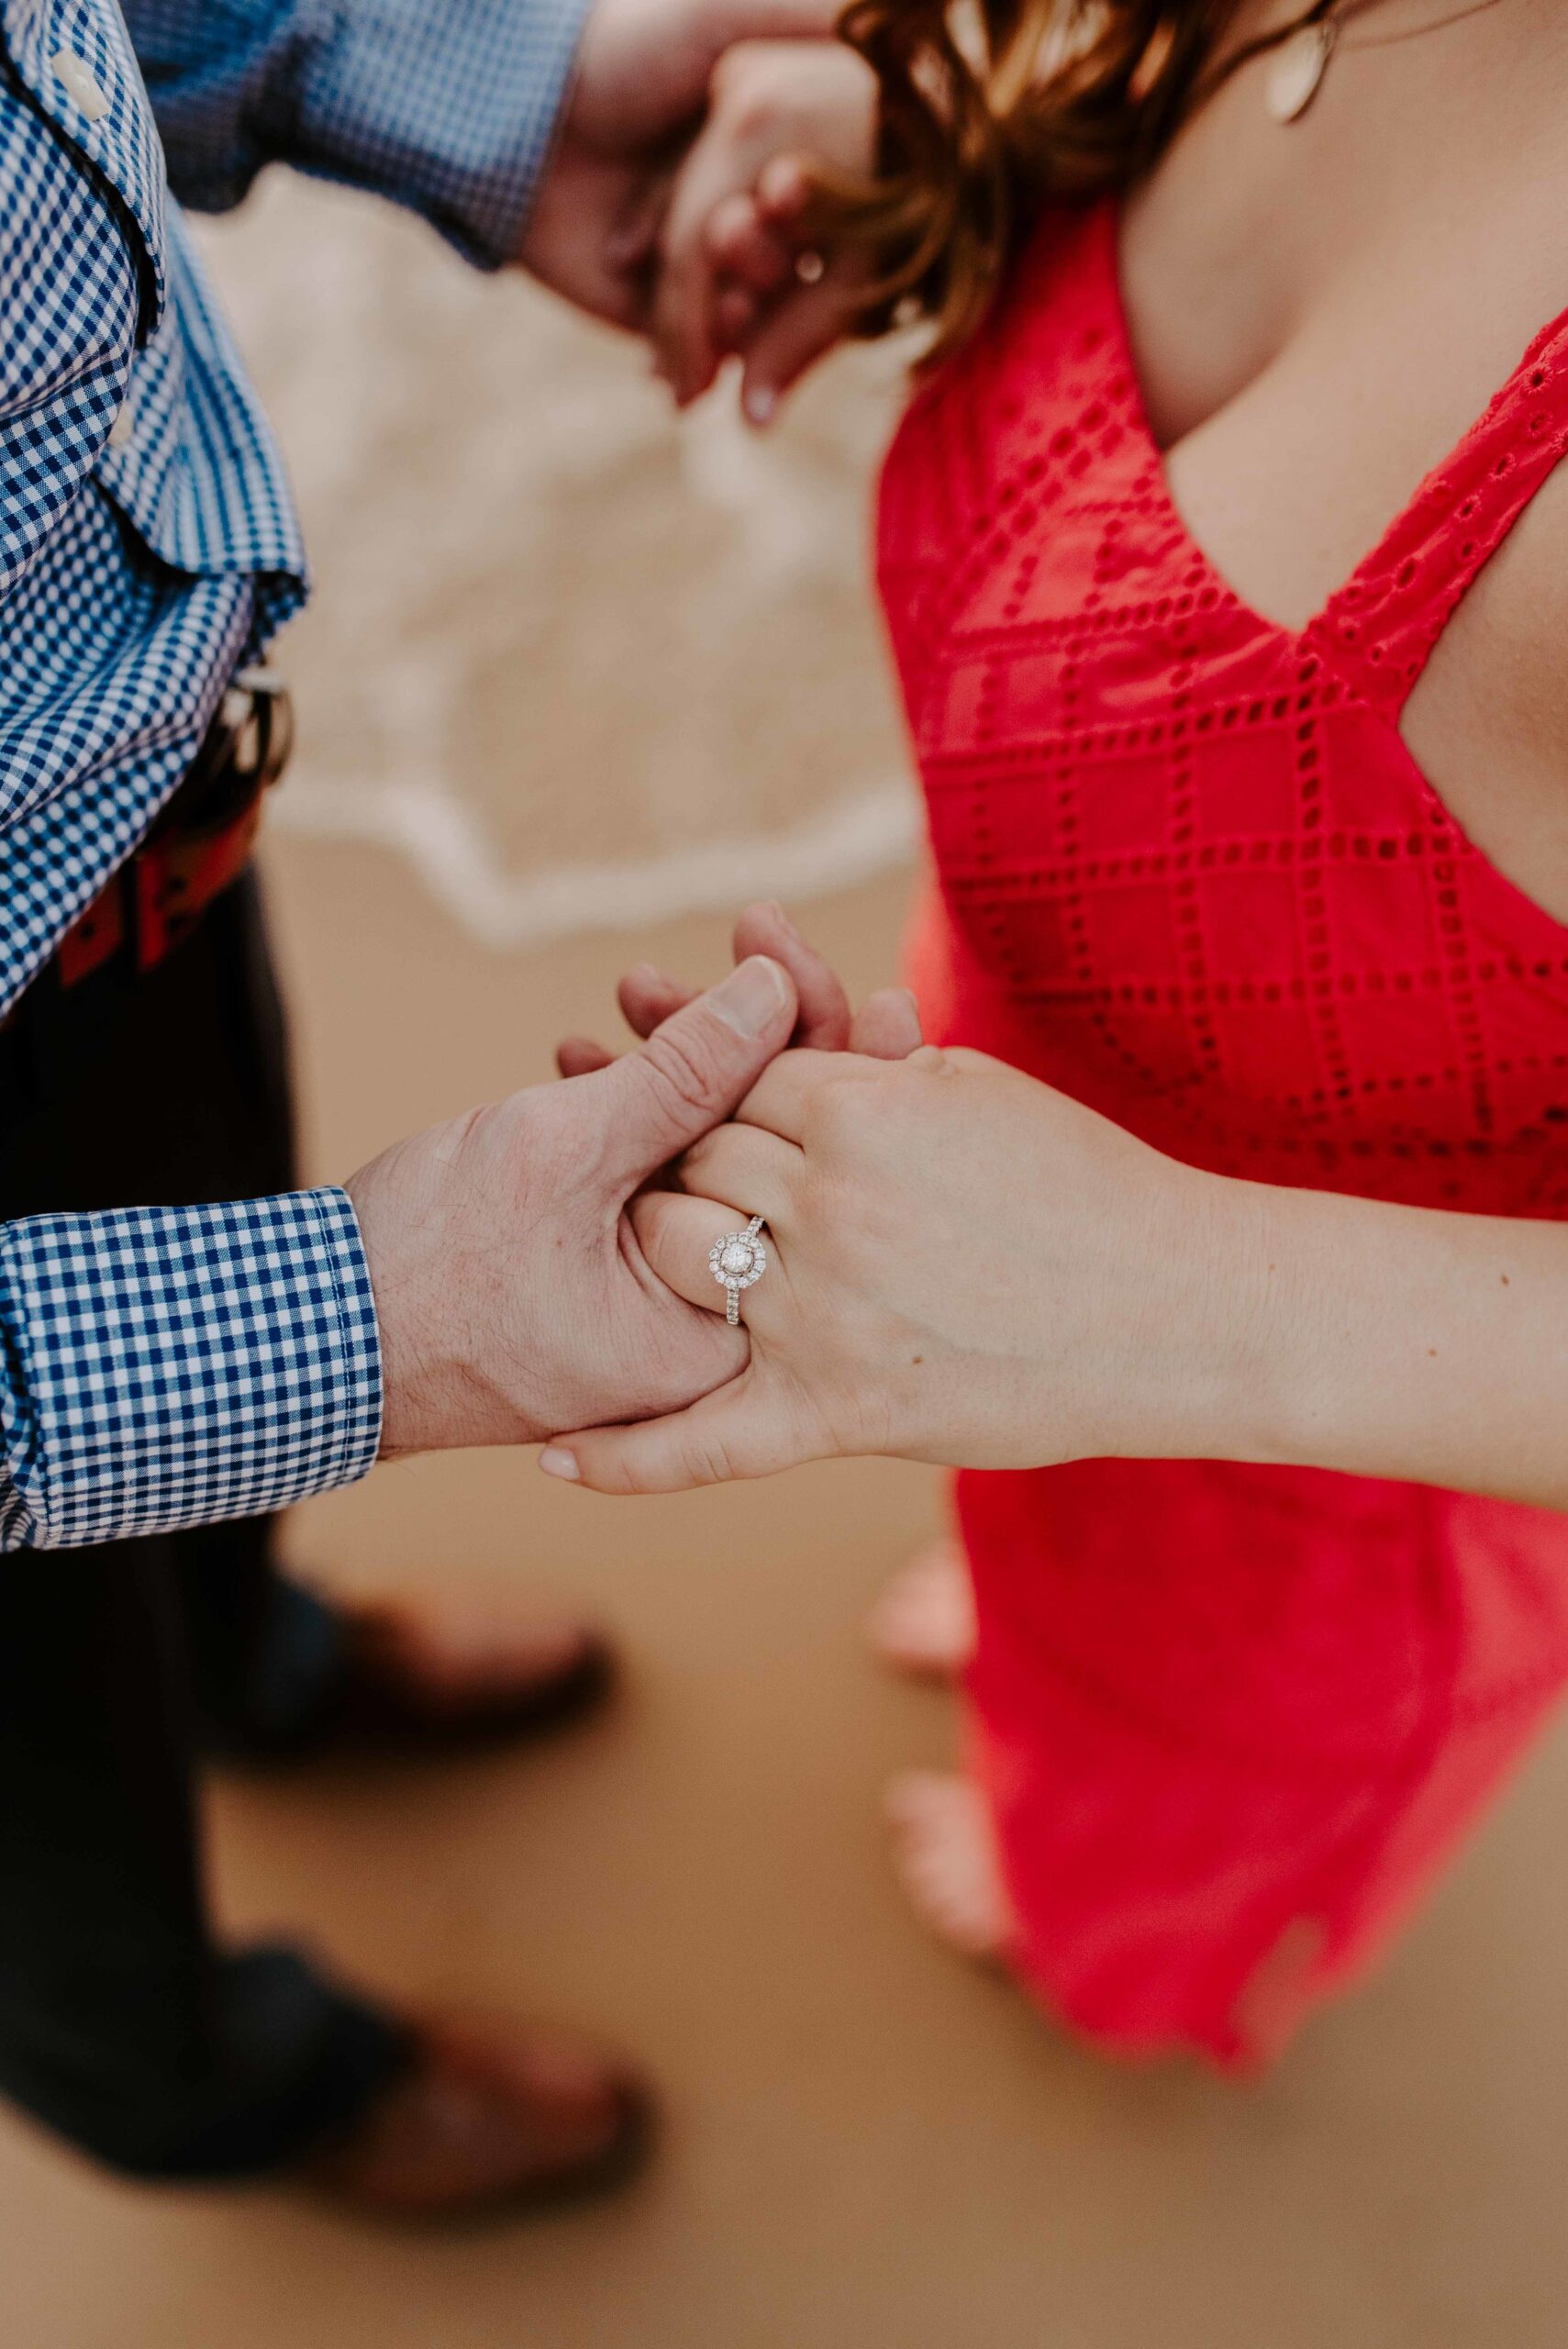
{"x": 944, "y": 1849}
{"x": 923, "y": 1622}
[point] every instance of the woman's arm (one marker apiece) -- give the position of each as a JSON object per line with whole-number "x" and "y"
{"x": 968, "y": 1267}
{"x": 1400, "y": 1341}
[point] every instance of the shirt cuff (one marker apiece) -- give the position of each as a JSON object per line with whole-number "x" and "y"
{"x": 169, "y": 1366}
{"x": 447, "y": 105}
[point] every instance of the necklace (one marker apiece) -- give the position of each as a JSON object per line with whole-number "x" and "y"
{"x": 1295, "y": 76}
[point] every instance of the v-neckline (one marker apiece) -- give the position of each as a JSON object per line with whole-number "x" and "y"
{"x": 1108, "y": 230}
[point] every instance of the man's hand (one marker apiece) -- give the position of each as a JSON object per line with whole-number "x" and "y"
{"x": 513, "y": 1297}
{"x": 731, "y": 249}
{"x": 886, "y": 1026}
{"x": 640, "y": 94}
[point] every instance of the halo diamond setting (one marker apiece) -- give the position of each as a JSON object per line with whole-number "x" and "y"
{"x": 737, "y": 1261}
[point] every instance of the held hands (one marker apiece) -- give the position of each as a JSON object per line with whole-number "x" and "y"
{"x": 735, "y": 273}
{"x": 638, "y": 96}
{"x": 672, "y": 203}
{"x": 965, "y": 1267}
{"x": 886, "y": 1026}
{"x": 512, "y": 1293}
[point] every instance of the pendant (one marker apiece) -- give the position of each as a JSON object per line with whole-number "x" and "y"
{"x": 1297, "y": 73}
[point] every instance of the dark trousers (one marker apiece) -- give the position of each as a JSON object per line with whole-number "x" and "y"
{"x": 121, "y": 2026}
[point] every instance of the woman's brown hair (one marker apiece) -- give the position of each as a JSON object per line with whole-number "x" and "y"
{"x": 991, "y": 108}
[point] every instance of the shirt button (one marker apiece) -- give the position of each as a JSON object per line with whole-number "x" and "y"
{"x": 122, "y": 431}
{"x": 79, "y": 84}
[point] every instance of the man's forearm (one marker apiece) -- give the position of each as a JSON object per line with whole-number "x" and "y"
{"x": 163, "y": 1367}
{"x": 448, "y": 107}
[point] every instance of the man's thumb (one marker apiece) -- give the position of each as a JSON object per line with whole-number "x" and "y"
{"x": 696, "y": 1068}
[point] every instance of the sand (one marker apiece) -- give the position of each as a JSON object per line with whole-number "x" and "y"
{"x": 587, "y": 660}
{"x": 868, "y": 2144}
{"x": 584, "y": 667}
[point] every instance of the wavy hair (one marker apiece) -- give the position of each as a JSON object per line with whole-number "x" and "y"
{"x": 992, "y": 108}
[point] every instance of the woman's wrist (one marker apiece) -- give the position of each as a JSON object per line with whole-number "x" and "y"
{"x": 1386, "y": 1340}
{"x": 1271, "y": 1300}
{"x": 1153, "y": 1337}
{"x": 1213, "y": 1381}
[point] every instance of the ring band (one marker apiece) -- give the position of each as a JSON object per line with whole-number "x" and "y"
{"x": 737, "y": 1261}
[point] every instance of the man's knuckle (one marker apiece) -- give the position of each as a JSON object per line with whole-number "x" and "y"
{"x": 708, "y": 1460}
{"x": 681, "y": 1068}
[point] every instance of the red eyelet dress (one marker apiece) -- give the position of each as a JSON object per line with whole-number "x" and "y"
{"x": 1230, "y": 1720}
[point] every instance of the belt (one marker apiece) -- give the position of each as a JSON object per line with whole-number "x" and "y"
{"x": 200, "y": 844}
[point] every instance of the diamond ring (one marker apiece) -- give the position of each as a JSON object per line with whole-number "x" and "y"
{"x": 737, "y": 1261}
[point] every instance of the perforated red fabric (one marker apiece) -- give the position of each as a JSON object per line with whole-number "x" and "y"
{"x": 1230, "y": 1719}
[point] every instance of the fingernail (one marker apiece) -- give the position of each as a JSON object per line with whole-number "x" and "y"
{"x": 751, "y": 998}
{"x": 761, "y": 403}
{"x": 783, "y": 921}
{"x": 555, "y": 1462}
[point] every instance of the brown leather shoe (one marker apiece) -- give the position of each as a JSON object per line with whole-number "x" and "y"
{"x": 458, "y": 1667}
{"x": 488, "y": 2116}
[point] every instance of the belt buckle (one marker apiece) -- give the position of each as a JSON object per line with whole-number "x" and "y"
{"x": 258, "y": 718}
{"x": 204, "y": 838}
{"x": 246, "y": 750}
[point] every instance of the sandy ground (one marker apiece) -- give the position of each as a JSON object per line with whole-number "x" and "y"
{"x": 566, "y": 648}
{"x": 868, "y": 2145}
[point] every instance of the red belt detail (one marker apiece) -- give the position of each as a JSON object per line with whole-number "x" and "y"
{"x": 199, "y": 845}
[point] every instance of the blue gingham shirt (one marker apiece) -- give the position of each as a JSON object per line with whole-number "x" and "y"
{"x": 161, "y": 1367}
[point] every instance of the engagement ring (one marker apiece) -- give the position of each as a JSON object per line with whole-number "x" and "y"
{"x": 737, "y": 1261}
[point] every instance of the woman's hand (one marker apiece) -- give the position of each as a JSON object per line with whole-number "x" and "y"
{"x": 641, "y": 85}
{"x": 968, "y": 1267}
{"x": 964, "y": 1266}
{"x": 887, "y": 1025}
{"x": 732, "y": 269}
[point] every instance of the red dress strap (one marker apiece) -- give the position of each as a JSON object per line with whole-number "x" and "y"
{"x": 1380, "y": 627}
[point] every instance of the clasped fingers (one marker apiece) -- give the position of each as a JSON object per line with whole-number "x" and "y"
{"x": 678, "y": 1232}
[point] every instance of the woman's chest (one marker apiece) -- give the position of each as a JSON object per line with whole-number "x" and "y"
{"x": 1194, "y": 874}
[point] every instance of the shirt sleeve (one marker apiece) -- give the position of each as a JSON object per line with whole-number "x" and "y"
{"x": 445, "y": 105}
{"x": 167, "y": 1366}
